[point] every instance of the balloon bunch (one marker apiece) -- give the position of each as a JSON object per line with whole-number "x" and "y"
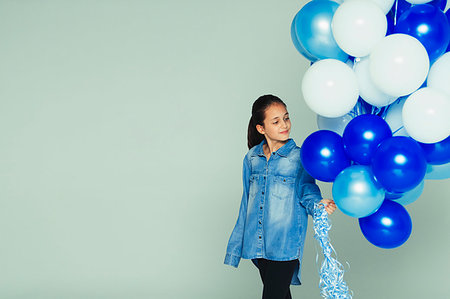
{"x": 383, "y": 113}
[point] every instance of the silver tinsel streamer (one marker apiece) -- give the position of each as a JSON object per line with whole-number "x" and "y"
{"x": 332, "y": 284}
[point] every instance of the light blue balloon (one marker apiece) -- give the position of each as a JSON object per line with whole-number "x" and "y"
{"x": 297, "y": 45}
{"x": 356, "y": 192}
{"x": 409, "y": 196}
{"x": 438, "y": 172}
{"x": 312, "y": 24}
{"x": 335, "y": 124}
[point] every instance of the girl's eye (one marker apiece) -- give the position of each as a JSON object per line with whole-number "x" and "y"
{"x": 275, "y": 122}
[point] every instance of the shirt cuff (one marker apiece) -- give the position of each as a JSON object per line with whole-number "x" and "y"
{"x": 232, "y": 260}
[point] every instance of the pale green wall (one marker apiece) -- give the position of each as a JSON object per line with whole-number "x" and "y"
{"x": 122, "y": 133}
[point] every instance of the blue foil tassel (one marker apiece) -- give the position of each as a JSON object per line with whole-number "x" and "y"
{"x": 331, "y": 284}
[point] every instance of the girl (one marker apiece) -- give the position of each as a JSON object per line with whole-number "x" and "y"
{"x": 278, "y": 194}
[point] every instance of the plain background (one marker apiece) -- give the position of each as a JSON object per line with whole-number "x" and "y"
{"x": 122, "y": 132}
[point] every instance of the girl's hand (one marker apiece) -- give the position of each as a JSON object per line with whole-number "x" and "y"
{"x": 329, "y": 204}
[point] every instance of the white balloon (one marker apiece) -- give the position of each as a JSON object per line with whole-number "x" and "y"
{"x": 358, "y": 26}
{"x": 335, "y": 124}
{"x": 426, "y": 115}
{"x": 367, "y": 90}
{"x": 330, "y": 88}
{"x": 385, "y": 5}
{"x": 439, "y": 76}
{"x": 394, "y": 118}
{"x": 418, "y": 1}
{"x": 399, "y": 65}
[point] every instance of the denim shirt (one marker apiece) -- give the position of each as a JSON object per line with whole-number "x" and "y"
{"x": 277, "y": 197}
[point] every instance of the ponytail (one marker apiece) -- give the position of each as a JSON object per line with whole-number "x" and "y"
{"x": 258, "y": 115}
{"x": 253, "y": 136}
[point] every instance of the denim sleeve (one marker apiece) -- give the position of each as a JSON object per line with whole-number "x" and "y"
{"x": 234, "y": 248}
{"x": 308, "y": 191}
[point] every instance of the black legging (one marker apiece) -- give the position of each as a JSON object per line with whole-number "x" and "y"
{"x": 276, "y": 277}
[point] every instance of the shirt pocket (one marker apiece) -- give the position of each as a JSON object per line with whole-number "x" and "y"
{"x": 283, "y": 187}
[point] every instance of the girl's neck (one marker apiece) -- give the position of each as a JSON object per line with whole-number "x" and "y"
{"x": 271, "y": 146}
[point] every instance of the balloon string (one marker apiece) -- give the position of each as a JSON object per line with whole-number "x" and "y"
{"x": 331, "y": 284}
{"x": 393, "y": 133}
{"x": 395, "y": 13}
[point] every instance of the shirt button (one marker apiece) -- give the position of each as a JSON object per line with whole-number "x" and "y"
{"x": 264, "y": 177}
{"x": 260, "y": 207}
{"x": 260, "y": 237}
{"x": 263, "y": 192}
{"x": 259, "y": 222}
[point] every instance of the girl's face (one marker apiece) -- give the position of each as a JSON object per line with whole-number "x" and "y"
{"x": 277, "y": 124}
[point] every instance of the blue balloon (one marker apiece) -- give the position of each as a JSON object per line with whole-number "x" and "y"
{"x": 437, "y": 153}
{"x": 429, "y": 25}
{"x": 438, "y": 172}
{"x": 399, "y": 164}
{"x": 312, "y": 25}
{"x": 323, "y": 155}
{"x": 356, "y": 192}
{"x": 362, "y": 136}
{"x": 448, "y": 19}
{"x": 407, "y": 197}
{"x": 297, "y": 45}
{"x": 399, "y": 7}
{"x": 390, "y": 24}
{"x": 389, "y": 227}
{"x": 441, "y": 4}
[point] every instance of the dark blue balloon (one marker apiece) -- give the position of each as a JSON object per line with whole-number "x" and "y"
{"x": 390, "y": 24}
{"x": 429, "y": 25}
{"x": 399, "y": 164}
{"x": 389, "y": 227}
{"x": 362, "y": 135}
{"x": 448, "y": 19}
{"x": 399, "y": 7}
{"x": 437, "y": 153}
{"x": 323, "y": 155}
{"x": 439, "y": 4}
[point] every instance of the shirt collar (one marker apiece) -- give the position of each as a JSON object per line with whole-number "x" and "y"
{"x": 282, "y": 151}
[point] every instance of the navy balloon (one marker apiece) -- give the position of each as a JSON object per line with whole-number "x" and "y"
{"x": 399, "y": 164}
{"x": 429, "y": 25}
{"x": 441, "y": 4}
{"x": 323, "y": 155}
{"x": 448, "y": 19}
{"x": 389, "y": 227}
{"x": 362, "y": 135}
{"x": 437, "y": 153}
{"x": 399, "y": 7}
{"x": 390, "y": 25}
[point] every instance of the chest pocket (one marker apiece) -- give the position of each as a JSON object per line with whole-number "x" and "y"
{"x": 283, "y": 187}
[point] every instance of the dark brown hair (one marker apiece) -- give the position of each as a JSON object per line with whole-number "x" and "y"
{"x": 258, "y": 115}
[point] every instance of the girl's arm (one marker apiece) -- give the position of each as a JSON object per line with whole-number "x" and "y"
{"x": 234, "y": 249}
{"x": 307, "y": 190}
